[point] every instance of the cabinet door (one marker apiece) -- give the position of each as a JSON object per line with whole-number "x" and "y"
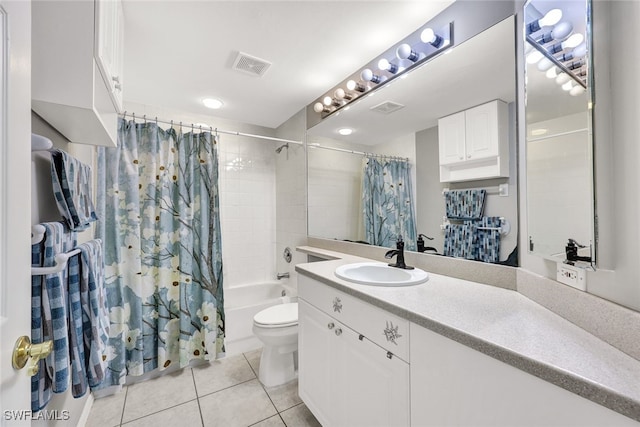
{"x": 376, "y": 387}
{"x": 315, "y": 339}
{"x": 109, "y": 36}
{"x": 482, "y": 131}
{"x": 451, "y": 138}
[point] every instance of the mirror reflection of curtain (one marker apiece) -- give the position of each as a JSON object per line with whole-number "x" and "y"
{"x": 388, "y": 210}
{"x": 159, "y": 220}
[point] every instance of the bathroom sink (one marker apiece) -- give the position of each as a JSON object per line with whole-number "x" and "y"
{"x": 380, "y": 274}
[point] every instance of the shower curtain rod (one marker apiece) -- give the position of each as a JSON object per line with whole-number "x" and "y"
{"x": 361, "y": 153}
{"x": 211, "y": 129}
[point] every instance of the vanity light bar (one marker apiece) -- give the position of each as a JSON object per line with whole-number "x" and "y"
{"x": 408, "y": 54}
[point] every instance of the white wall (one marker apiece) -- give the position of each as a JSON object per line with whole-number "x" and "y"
{"x": 247, "y": 170}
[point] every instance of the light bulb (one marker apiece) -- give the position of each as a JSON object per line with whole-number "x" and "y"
{"x": 578, "y": 52}
{"x": 562, "y": 78}
{"x": 577, "y": 90}
{"x": 318, "y": 107}
{"x": 404, "y": 51}
{"x": 552, "y": 73}
{"x": 327, "y": 101}
{"x": 385, "y": 65}
{"x": 368, "y": 76}
{"x": 552, "y": 17}
{"x": 567, "y": 86}
{"x": 341, "y": 94}
{"x": 571, "y": 42}
{"x": 353, "y": 85}
{"x": 559, "y": 32}
{"x": 534, "y": 57}
{"x": 429, "y": 36}
{"x": 544, "y": 64}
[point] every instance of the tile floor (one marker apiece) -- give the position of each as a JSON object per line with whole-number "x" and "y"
{"x": 225, "y": 392}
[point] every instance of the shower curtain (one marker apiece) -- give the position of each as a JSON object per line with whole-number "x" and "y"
{"x": 387, "y": 202}
{"x": 159, "y": 221}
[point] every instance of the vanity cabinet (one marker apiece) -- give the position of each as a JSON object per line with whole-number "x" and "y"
{"x": 345, "y": 378}
{"x": 76, "y": 78}
{"x": 474, "y": 144}
{"x": 454, "y": 385}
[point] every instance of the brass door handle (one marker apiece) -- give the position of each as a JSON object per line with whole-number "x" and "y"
{"x": 24, "y": 351}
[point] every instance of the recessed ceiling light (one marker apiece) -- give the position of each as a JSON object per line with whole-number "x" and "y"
{"x": 345, "y": 131}
{"x": 538, "y": 132}
{"x": 212, "y": 103}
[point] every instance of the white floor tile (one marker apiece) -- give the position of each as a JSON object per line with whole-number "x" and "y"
{"x": 274, "y": 421}
{"x": 238, "y": 406}
{"x": 284, "y": 396}
{"x": 254, "y": 359}
{"x": 159, "y": 393}
{"x": 107, "y": 411}
{"x": 299, "y": 416}
{"x": 187, "y": 414}
{"x": 222, "y": 373}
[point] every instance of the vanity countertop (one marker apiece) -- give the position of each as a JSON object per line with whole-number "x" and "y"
{"x": 504, "y": 325}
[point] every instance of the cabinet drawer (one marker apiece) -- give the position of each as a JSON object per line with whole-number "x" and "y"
{"x": 381, "y": 327}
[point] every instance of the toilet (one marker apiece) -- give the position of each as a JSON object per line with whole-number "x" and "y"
{"x": 277, "y": 328}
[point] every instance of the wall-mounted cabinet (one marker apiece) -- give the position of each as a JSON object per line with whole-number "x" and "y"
{"x": 76, "y": 80}
{"x": 474, "y": 143}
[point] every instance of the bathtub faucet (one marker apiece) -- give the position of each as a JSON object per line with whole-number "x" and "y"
{"x": 281, "y": 276}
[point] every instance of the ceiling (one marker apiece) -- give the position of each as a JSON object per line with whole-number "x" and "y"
{"x": 179, "y": 52}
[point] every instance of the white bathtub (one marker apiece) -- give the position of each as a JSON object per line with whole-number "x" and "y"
{"x": 243, "y": 302}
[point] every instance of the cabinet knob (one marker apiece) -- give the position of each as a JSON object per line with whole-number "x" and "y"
{"x": 118, "y": 86}
{"x": 115, "y": 79}
{"x": 338, "y": 332}
{"x": 330, "y": 325}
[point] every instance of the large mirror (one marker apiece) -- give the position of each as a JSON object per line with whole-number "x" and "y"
{"x": 560, "y": 197}
{"x": 400, "y": 121}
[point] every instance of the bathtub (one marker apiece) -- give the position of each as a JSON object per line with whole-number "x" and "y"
{"x": 243, "y": 302}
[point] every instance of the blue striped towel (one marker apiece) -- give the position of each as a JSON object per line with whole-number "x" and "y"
{"x": 459, "y": 240}
{"x": 72, "y": 189}
{"x": 488, "y": 241}
{"x": 464, "y": 204}
{"x": 50, "y": 313}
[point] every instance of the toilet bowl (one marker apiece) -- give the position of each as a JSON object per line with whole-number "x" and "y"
{"x": 277, "y": 328}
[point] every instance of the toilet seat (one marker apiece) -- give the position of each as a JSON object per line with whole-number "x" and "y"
{"x": 278, "y": 316}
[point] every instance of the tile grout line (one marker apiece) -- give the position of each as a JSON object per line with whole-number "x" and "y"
{"x": 124, "y": 404}
{"x": 195, "y": 387}
{"x": 265, "y": 391}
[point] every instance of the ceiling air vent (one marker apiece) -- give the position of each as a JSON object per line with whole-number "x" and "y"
{"x": 250, "y": 64}
{"x": 387, "y": 107}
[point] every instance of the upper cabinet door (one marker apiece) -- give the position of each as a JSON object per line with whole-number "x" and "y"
{"x": 109, "y": 50}
{"x": 482, "y": 131}
{"x": 451, "y": 137}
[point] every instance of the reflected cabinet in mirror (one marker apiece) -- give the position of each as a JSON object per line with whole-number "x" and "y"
{"x": 559, "y": 153}
{"x": 431, "y": 156}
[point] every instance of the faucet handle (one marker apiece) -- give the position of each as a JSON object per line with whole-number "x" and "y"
{"x": 574, "y": 242}
{"x": 399, "y": 240}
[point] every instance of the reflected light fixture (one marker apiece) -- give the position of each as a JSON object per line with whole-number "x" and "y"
{"x": 368, "y": 76}
{"x": 552, "y": 17}
{"x": 345, "y": 131}
{"x": 552, "y": 73}
{"x": 567, "y": 86}
{"x": 571, "y": 42}
{"x": 578, "y": 52}
{"x": 385, "y": 65}
{"x": 562, "y": 78}
{"x": 429, "y": 36}
{"x": 212, "y": 103}
{"x": 341, "y": 94}
{"x": 404, "y": 51}
{"x": 329, "y": 101}
{"x": 534, "y": 57}
{"x": 576, "y": 90}
{"x": 353, "y": 85}
{"x": 319, "y": 107}
{"x": 559, "y": 32}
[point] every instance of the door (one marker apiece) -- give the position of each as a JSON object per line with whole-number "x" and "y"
{"x": 15, "y": 183}
{"x": 451, "y": 138}
{"x": 482, "y": 131}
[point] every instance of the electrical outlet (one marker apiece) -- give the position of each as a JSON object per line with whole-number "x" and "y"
{"x": 572, "y": 276}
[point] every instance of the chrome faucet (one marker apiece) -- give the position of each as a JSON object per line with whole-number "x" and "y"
{"x": 281, "y": 276}
{"x": 398, "y": 252}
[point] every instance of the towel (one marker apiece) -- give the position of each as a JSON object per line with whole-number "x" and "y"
{"x": 459, "y": 240}
{"x": 465, "y": 204}
{"x": 72, "y": 189}
{"x": 50, "y": 314}
{"x": 488, "y": 241}
{"x": 95, "y": 313}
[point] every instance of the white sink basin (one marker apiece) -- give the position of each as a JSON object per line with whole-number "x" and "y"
{"x": 380, "y": 274}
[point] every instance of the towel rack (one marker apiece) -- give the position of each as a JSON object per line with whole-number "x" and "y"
{"x": 61, "y": 263}
{"x": 37, "y": 234}
{"x": 505, "y": 226}
{"x": 40, "y": 143}
{"x": 501, "y": 190}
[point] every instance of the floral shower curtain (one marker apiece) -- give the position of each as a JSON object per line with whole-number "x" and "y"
{"x": 388, "y": 203}
{"x": 159, "y": 210}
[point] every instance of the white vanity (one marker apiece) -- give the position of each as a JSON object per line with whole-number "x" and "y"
{"x": 451, "y": 352}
